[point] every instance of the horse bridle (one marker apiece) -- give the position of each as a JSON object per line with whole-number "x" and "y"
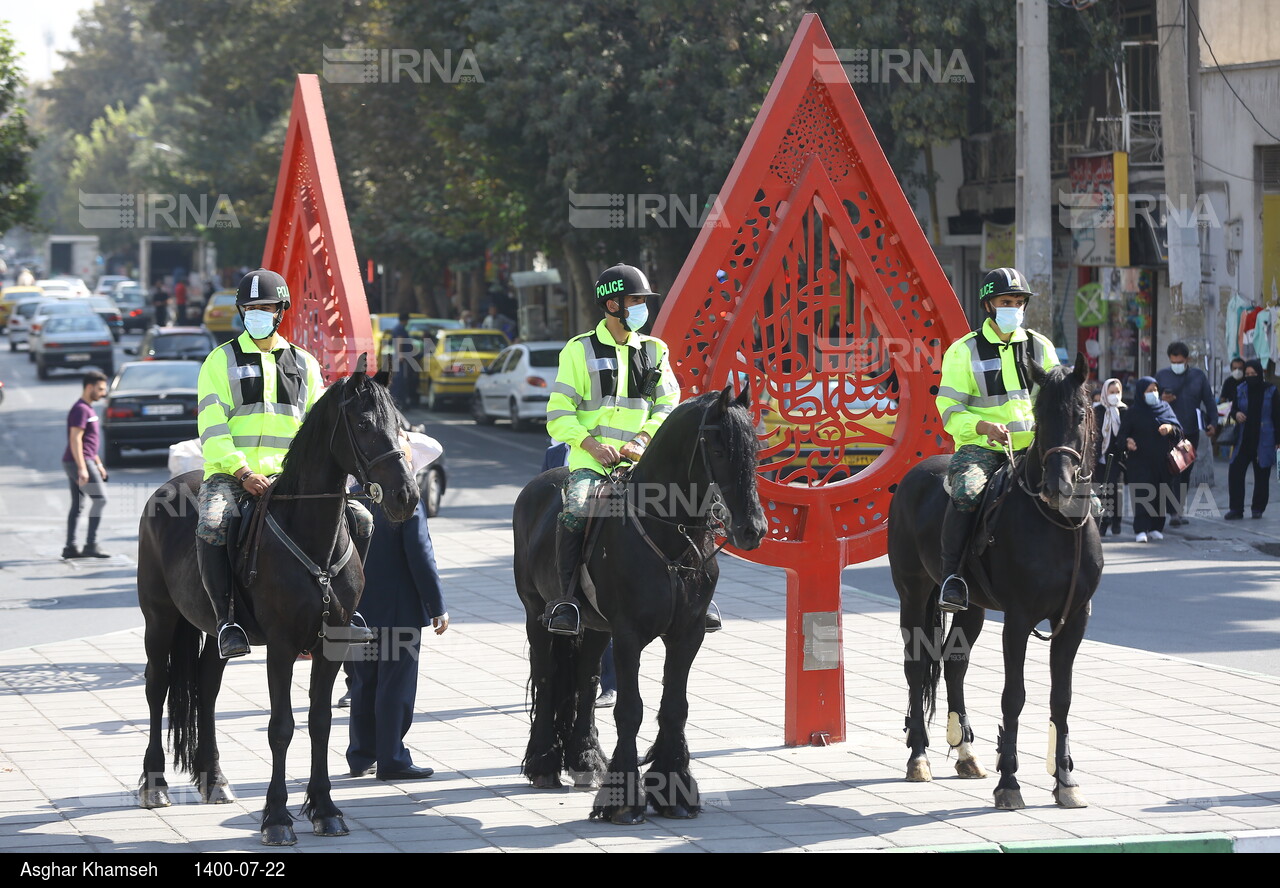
{"x": 363, "y": 464}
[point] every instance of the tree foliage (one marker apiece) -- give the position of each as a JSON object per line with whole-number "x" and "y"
{"x": 18, "y": 197}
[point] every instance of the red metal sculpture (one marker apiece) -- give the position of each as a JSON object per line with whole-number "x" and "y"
{"x": 309, "y": 242}
{"x": 814, "y": 285}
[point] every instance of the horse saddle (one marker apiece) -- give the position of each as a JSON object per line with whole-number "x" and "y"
{"x": 983, "y": 537}
{"x": 607, "y": 500}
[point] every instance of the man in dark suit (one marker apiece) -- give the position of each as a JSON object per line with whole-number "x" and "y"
{"x": 402, "y": 595}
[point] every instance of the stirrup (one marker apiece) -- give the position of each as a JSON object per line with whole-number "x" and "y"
{"x": 360, "y": 631}
{"x": 550, "y": 619}
{"x": 713, "y": 621}
{"x": 227, "y": 650}
{"x": 950, "y": 604}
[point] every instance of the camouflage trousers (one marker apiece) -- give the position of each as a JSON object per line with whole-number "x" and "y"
{"x": 220, "y": 500}
{"x": 968, "y": 473}
{"x": 577, "y": 491}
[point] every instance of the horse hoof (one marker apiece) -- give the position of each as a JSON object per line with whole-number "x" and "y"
{"x": 154, "y": 798}
{"x": 545, "y": 781}
{"x": 627, "y": 816}
{"x": 1069, "y": 797}
{"x": 219, "y": 795}
{"x": 279, "y": 834}
{"x": 918, "y": 770}
{"x": 329, "y": 826}
{"x": 969, "y": 769}
{"x": 1009, "y": 800}
{"x": 676, "y": 812}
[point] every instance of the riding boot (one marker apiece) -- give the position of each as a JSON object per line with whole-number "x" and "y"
{"x": 561, "y": 616}
{"x": 360, "y": 631}
{"x": 957, "y": 527}
{"x": 215, "y": 573}
{"x": 712, "y": 620}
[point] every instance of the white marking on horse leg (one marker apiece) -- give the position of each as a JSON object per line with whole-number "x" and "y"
{"x": 1050, "y": 760}
{"x": 955, "y": 733}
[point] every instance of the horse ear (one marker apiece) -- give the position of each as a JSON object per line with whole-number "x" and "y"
{"x": 744, "y": 398}
{"x": 362, "y": 363}
{"x": 1081, "y": 372}
{"x": 1036, "y": 372}
{"x": 726, "y": 398}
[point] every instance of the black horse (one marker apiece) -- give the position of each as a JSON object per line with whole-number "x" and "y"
{"x": 352, "y": 430}
{"x": 654, "y": 570}
{"x": 1043, "y": 563}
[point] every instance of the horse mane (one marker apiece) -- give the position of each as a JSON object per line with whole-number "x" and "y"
{"x": 1060, "y": 397}
{"x": 312, "y": 441}
{"x": 738, "y": 432}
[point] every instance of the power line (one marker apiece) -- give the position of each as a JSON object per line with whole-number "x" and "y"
{"x": 1228, "y": 172}
{"x": 1225, "y": 78}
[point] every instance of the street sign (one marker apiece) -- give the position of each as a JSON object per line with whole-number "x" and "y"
{"x": 815, "y": 286}
{"x": 309, "y": 243}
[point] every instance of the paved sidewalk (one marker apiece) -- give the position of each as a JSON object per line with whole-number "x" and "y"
{"x": 1163, "y": 746}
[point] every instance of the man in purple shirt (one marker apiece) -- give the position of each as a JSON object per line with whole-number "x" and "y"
{"x": 84, "y": 467}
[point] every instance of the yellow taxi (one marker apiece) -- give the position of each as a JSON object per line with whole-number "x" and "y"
{"x": 220, "y": 315}
{"x": 383, "y": 324}
{"x": 456, "y": 363}
{"x": 800, "y": 444}
{"x": 11, "y": 296}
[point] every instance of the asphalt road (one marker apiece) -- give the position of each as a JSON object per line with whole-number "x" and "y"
{"x": 1206, "y": 593}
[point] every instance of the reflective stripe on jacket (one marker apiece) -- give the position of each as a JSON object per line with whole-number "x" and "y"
{"x": 252, "y": 403}
{"x": 597, "y": 396}
{"x": 981, "y": 380}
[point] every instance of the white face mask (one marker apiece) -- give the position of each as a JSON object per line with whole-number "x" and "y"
{"x": 1113, "y": 400}
{"x": 1009, "y": 319}
{"x": 1237, "y": 375}
{"x": 1153, "y": 398}
{"x": 1179, "y": 368}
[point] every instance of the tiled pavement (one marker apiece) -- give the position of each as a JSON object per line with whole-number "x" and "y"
{"x": 1162, "y": 746}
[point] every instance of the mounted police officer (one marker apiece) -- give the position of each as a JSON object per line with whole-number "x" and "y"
{"x": 254, "y": 393}
{"x": 985, "y": 402}
{"x": 613, "y": 389}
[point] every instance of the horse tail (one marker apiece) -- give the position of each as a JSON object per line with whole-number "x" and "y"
{"x": 558, "y": 691}
{"x": 933, "y": 617}
{"x": 184, "y": 694}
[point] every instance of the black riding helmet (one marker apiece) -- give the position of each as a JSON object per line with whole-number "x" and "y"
{"x": 262, "y": 287}
{"x": 1003, "y": 282}
{"x": 619, "y": 282}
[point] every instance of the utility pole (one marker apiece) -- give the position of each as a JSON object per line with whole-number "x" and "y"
{"x": 1185, "y": 319}
{"x": 1033, "y": 206}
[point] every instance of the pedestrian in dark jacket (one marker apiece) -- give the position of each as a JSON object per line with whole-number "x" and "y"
{"x": 1110, "y": 457}
{"x": 402, "y": 594}
{"x": 1257, "y": 413}
{"x": 1191, "y": 393}
{"x": 1150, "y": 429}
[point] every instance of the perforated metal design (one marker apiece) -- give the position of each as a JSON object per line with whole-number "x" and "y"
{"x": 309, "y": 242}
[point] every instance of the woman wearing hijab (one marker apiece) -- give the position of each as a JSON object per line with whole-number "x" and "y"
{"x": 1149, "y": 430}
{"x": 1111, "y": 453}
{"x": 1257, "y": 412}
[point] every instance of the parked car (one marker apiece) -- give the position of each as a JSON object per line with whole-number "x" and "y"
{"x": 179, "y": 343}
{"x": 107, "y": 284}
{"x": 220, "y": 313}
{"x": 150, "y": 404}
{"x": 19, "y": 324}
{"x": 517, "y": 385}
{"x": 11, "y": 296}
{"x": 433, "y": 481}
{"x": 106, "y": 309}
{"x": 455, "y": 364}
{"x": 840, "y": 448}
{"x": 50, "y": 308}
{"x": 73, "y": 341}
{"x": 136, "y": 311}
{"x": 382, "y": 326}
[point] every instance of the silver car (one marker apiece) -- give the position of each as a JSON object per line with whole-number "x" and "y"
{"x": 517, "y": 384}
{"x": 52, "y": 308}
{"x": 72, "y": 341}
{"x": 19, "y": 324}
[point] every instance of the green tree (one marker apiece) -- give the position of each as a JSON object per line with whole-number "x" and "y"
{"x": 18, "y": 197}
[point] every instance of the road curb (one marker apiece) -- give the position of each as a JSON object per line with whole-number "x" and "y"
{"x": 1189, "y": 843}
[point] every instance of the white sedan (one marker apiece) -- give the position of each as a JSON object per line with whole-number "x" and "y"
{"x": 517, "y": 385}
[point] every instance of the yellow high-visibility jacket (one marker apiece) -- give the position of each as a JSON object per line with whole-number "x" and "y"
{"x": 981, "y": 380}
{"x": 252, "y": 404}
{"x": 596, "y": 393}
